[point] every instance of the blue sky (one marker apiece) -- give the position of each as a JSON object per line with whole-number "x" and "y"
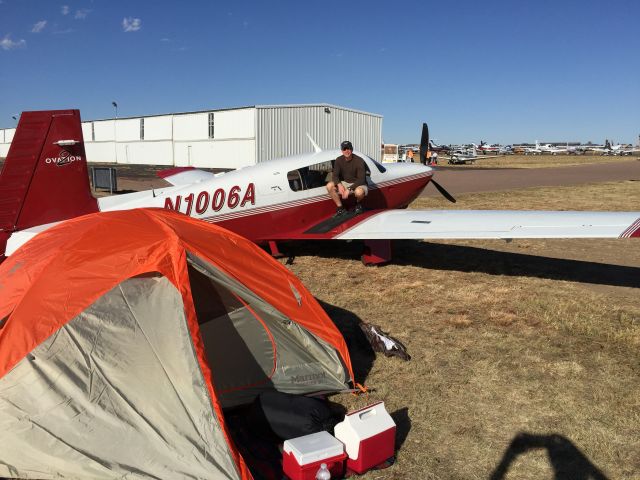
{"x": 502, "y": 71}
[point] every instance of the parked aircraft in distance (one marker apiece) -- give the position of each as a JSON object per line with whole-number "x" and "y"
{"x": 537, "y": 150}
{"x": 45, "y": 181}
{"x": 466, "y": 155}
{"x": 434, "y": 147}
{"x": 549, "y": 149}
{"x": 484, "y": 147}
{"x": 610, "y": 149}
{"x": 506, "y": 150}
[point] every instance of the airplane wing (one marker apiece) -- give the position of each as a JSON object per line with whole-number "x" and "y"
{"x": 185, "y": 175}
{"x": 485, "y": 224}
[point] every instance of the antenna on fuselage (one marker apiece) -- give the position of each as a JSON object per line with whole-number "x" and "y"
{"x": 316, "y": 147}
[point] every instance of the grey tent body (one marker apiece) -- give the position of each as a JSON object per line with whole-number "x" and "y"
{"x": 118, "y": 391}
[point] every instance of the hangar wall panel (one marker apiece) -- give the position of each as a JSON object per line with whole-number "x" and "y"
{"x": 281, "y": 130}
{"x": 227, "y": 154}
{"x": 6, "y": 136}
{"x": 158, "y": 128}
{"x": 145, "y": 153}
{"x": 191, "y": 126}
{"x": 128, "y": 129}
{"x": 230, "y": 124}
{"x": 105, "y": 131}
{"x": 86, "y": 131}
{"x": 100, "y": 152}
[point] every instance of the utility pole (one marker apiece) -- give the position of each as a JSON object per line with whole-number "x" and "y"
{"x": 115, "y": 130}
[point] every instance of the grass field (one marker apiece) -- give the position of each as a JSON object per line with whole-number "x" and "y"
{"x": 525, "y": 354}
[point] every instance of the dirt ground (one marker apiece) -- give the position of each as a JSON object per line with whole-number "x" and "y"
{"x": 525, "y": 358}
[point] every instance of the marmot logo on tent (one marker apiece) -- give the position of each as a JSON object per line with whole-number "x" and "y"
{"x": 64, "y": 158}
{"x": 311, "y": 378}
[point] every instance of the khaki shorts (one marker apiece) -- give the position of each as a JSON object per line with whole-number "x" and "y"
{"x": 347, "y": 185}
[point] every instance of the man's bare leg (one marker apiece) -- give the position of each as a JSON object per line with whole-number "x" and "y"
{"x": 333, "y": 193}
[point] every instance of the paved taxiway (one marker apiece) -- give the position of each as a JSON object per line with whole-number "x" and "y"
{"x": 458, "y": 180}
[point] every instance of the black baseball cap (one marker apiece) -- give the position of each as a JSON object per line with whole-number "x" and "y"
{"x": 346, "y": 145}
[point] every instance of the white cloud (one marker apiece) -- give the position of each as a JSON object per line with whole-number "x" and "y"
{"x": 81, "y": 14}
{"x": 65, "y": 9}
{"x": 165, "y": 39}
{"x": 7, "y": 44}
{"x": 131, "y": 24}
{"x": 39, "y": 26}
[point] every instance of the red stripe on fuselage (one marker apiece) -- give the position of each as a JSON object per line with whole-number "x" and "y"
{"x": 290, "y": 221}
{"x": 632, "y": 231}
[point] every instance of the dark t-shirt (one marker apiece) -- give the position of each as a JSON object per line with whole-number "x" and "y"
{"x": 352, "y": 171}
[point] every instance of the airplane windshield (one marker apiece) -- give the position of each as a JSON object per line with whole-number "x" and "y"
{"x": 379, "y": 166}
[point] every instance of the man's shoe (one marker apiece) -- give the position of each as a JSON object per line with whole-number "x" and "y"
{"x": 340, "y": 212}
{"x": 358, "y": 210}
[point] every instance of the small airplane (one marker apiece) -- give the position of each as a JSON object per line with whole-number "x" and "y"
{"x": 533, "y": 150}
{"x": 547, "y": 149}
{"x": 485, "y": 148}
{"x": 45, "y": 180}
{"x": 434, "y": 147}
{"x": 506, "y": 150}
{"x": 576, "y": 149}
{"x": 610, "y": 149}
{"x": 466, "y": 155}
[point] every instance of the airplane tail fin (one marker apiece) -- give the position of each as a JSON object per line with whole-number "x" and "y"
{"x": 44, "y": 178}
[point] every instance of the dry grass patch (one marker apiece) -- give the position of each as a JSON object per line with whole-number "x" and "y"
{"x": 506, "y": 339}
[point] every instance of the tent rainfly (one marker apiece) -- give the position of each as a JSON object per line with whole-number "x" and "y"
{"x": 124, "y": 334}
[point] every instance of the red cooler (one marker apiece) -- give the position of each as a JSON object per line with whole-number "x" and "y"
{"x": 369, "y": 436}
{"x": 302, "y": 456}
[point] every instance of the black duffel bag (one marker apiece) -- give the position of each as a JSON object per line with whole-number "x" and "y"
{"x": 290, "y": 416}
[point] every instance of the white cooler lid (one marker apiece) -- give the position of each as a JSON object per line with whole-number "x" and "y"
{"x": 314, "y": 447}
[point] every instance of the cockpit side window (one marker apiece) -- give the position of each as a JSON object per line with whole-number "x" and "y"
{"x": 295, "y": 180}
{"x": 313, "y": 176}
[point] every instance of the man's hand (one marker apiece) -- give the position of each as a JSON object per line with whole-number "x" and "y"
{"x": 344, "y": 193}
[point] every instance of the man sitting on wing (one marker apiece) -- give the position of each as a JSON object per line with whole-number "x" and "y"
{"x": 348, "y": 178}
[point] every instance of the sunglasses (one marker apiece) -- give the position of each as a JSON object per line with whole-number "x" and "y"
{"x": 345, "y": 149}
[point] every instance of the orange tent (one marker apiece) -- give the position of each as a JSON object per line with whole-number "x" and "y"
{"x": 124, "y": 334}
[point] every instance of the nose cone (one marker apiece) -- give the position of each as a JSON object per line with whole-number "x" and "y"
{"x": 400, "y": 184}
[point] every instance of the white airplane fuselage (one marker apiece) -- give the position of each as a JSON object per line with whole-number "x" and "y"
{"x": 273, "y": 200}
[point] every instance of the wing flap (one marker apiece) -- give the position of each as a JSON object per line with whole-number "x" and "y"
{"x": 493, "y": 224}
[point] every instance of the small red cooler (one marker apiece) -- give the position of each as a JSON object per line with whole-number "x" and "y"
{"x": 369, "y": 436}
{"x": 302, "y": 456}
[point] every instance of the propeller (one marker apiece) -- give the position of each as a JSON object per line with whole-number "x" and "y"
{"x": 444, "y": 193}
{"x": 424, "y": 146}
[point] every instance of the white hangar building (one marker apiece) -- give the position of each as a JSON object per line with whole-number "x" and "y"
{"x": 226, "y": 138}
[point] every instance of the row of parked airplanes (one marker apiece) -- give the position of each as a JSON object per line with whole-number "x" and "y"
{"x": 471, "y": 152}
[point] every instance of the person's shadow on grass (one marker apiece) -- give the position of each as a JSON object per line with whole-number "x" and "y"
{"x": 568, "y": 462}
